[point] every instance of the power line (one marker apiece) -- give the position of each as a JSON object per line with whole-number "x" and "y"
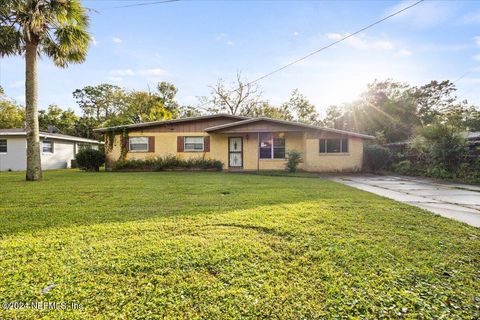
{"x": 335, "y": 42}
{"x": 327, "y": 46}
{"x": 141, "y": 4}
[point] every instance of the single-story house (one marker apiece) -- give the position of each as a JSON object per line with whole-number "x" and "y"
{"x": 241, "y": 143}
{"x": 57, "y": 150}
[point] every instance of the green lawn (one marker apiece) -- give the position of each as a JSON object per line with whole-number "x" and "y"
{"x": 222, "y": 246}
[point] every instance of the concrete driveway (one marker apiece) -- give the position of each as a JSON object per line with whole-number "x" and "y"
{"x": 452, "y": 200}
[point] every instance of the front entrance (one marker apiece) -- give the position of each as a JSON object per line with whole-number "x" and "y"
{"x": 235, "y": 152}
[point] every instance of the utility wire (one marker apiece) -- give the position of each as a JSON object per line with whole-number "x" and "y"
{"x": 335, "y": 42}
{"x": 326, "y": 47}
{"x": 141, "y": 4}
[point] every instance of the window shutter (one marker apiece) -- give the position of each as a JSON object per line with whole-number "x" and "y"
{"x": 180, "y": 143}
{"x": 151, "y": 144}
{"x": 206, "y": 144}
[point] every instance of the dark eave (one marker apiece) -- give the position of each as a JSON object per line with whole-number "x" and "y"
{"x": 156, "y": 123}
{"x": 285, "y": 122}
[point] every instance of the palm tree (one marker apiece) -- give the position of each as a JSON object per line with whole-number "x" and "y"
{"x": 54, "y": 28}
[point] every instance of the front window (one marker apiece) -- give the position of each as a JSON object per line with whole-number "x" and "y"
{"x": 138, "y": 144}
{"x": 47, "y": 146}
{"x": 333, "y": 145}
{"x": 193, "y": 144}
{"x": 3, "y": 146}
{"x": 272, "y": 146}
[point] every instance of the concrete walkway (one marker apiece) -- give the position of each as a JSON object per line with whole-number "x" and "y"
{"x": 452, "y": 200}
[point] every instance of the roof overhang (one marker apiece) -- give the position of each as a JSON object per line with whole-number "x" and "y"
{"x": 48, "y": 135}
{"x": 299, "y": 126}
{"x": 164, "y": 122}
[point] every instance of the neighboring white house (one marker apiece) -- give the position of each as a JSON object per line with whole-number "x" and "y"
{"x": 57, "y": 150}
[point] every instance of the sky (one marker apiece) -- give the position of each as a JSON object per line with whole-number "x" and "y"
{"x": 194, "y": 43}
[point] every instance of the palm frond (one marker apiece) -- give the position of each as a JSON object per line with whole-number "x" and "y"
{"x": 11, "y": 41}
{"x": 68, "y": 45}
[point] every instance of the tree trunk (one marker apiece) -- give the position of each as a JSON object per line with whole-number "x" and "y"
{"x": 34, "y": 169}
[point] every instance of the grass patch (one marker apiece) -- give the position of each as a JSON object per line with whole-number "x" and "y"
{"x": 215, "y": 245}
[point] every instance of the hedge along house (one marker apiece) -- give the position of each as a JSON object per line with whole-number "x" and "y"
{"x": 241, "y": 143}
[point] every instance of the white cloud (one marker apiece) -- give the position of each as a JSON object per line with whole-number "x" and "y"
{"x": 230, "y": 43}
{"x": 361, "y": 41}
{"x": 404, "y": 53}
{"x": 118, "y": 75}
{"x": 425, "y": 14}
{"x": 470, "y": 18}
{"x": 154, "y": 72}
{"x": 116, "y": 40}
{"x": 115, "y": 79}
{"x": 122, "y": 73}
{"x": 477, "y": 40}
{"x": 476, "y": 57}
{"x": 94, "y": 41}
{"x": 296, "y": 34}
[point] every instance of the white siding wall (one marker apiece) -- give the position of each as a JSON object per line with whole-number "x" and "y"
{"x": 63, "y": 153}
{"x": 16, "y": 157}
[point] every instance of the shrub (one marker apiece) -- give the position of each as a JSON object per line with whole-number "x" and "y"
{"x": 169, "y": 163}
{"x": 294, "y": 158}
{"x": 441, "y": 145}
{"x": 90, "y": 159}
{"x": 402, "y": 167}
{"x": 376, "y": 157}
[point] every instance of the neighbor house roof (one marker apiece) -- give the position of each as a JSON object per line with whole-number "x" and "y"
{"x": 22, "y": 132}
{"x": 156, "y": 123}
{"x": 285, "y": 122}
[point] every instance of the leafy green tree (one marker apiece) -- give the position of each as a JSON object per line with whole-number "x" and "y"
{"x": 265, "y": 109}
{"x": 334, "y": 117}
{"x": 188, "y": 111}
{"x": 167, "y": 92}
{"x": 301, "y": 109}
{"x": 444, "y": 144}
{"x": 433, "y": 99}
{"x": 63, "y": 121}
{"x": 142, "y": 106}
{"x": 11, "y": 114}
{"x": 55, "y": 28}
{"x": 100, "y": 106}
{"x": 100, "y": 102}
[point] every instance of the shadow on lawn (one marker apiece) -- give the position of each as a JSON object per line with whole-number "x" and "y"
{"x": 72, "y": 198}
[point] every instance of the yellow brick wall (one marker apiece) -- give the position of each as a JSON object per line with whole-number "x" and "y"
{"x": 334, "y": 162}
{"x": 166, "y": 144}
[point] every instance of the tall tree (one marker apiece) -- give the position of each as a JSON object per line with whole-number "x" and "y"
{"x": 265, "y": 109}
{"x": 100, "y": 105}
{"x": 301, "y": 109}
{"x": 143, "y": 106}
{"x": 433, "y": 99}
{"x": 100, "y": 102}
{"x": 236, "y": 98}
{"x": 54, "y": 28}
{"x": 167, "y": 92}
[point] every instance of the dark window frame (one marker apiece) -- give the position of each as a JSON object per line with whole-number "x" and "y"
{"x": 130, "y": 143}
{"x": 185, "y": 149}
{"x": 50, "y": 149}
{"x": 5, "y": 146}
{"x": 271, "y": 149}
{"x": 324, "y": 146}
